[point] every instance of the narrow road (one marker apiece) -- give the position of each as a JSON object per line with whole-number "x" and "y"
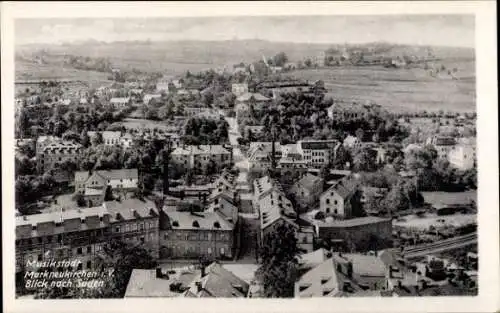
{"x": 250, "y": 226}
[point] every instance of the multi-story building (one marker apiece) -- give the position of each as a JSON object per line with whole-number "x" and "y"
{"x": 258, "y": 101}
{"x": 342, "y": 200}
{"x": 317, "y": 153}
{"x": 199, "y": 157}
{"x": 276, "y": 209}
{"x": 462, "y": 157}
{"x": 260, "y": 155}
{"x": 352, "y": 142}
{"x": 442, "y": 144}
{"x": 307, "y": 191}
{"x": 135, "y": 222}
{"x": 124, "y": 179}
{"x": 109, "y": 138}
{"x": 126, "y": 141}
{"x": 195, "y": 235}
{"x": 52, "y": 153}
{"x": 76, "y": 234}
{"x": 148, "y": 97}
{"x": 278, "y": 87}
{"x": 239, "y": 89}
{"x": 343, "y": 110}
{"x": 120, "y": 102}
{"x": 206, "y": 112}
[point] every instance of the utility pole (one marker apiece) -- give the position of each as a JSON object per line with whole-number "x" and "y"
{"x": 273, "y": 150}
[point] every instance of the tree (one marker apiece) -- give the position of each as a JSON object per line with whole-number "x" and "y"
{"x": 108, "y": 195}
{"x": 280, "y": 59}
{"x": 308, "y": 62}
{"x": 279, "y": 270}
{"x": 116, "y": 265}
{"x": 364, "y": 159}
{"x": 397, "y": 198}
{"x": 97, "y": 139}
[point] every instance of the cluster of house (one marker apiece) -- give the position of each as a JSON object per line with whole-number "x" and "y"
{"x": 200, "y": 157}
{"x": 331, "y": 213}
{"x": 174, "y": 230}
{"x": 325, "y": 273}
{"x": 296, "y": 157}
{"x": 460, "y": 152}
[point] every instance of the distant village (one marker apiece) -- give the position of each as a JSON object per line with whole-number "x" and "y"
{"x": 206, "y": 176}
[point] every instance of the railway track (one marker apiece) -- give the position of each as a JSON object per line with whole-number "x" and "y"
{"x": 440, "y": 246}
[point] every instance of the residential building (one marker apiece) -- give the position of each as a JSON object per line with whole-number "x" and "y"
{"x": 239, "y": 89}
{"x": 76, "y": 234}
{"x": 462, "y": 157}
{"x": 126, "y": 140}
{"x": 340, "y": 275}
{"x": 292, "y": 164}
{"x": 157, "y": 283}
{"x": 368, "y": 271}
{"x": 279, "y": 87}
{"x": 109, "y": 138}
{"x": 342, "y": 110}
{"x": 321, "y": 281}
{"x": 148, "y": 97}
{"x": 317, "y": 153}
{"x": 352, "y": 142}
{"x": 342, "y": 200}
{"x": 135, "y": 222}
{"x": 51, "y": 155}
{"x": 202, "y": 112}
{"x": 259, "y": 155}
{"x": 199, "y": 157}
{"x": 254, "y": 129}
{"x": 215, "y": 281}
{"x": 442, "y": 144}
{"x": 307, "y": 192}
{"x": 258, "y": 101}
{"x": 120, "y": 102}
{"x": 195, "y": 235}
{"x": 92, "y": 185}
{"x": 276, "y": 209}
{"x": 163, "y": 86}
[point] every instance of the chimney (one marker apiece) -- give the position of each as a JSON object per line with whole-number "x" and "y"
{"x": 159, "y": 274}
{"x": 400, "y": 284}
{"x": 390, "y": 271}
{"x": 198, "y": 286}
{"x": 203, "y": 270}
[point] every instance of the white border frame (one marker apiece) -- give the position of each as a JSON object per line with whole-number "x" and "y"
{"x": 487, "y": 130}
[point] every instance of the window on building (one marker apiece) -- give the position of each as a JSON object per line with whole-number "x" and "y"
{"x": 89, "y": 264}
{"x": 79, "y": 251}
{"x": 335, "y": 202}
{"x": 117, "y": 229}
{"x": 142, "y": 239}
{"x": 335, "y": 211}
{"x": 89, "y": 249}
{"x": 222, "y": 251}
{"x": 39, "y": 257}
{"x": 327, "y": 201}
{"x": 80, "y": 266}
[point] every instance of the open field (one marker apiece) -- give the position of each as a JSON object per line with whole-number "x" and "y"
{"x": 398, "y": 89}
{"x": 29, "y": 70}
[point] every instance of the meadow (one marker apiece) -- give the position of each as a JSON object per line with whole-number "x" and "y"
{"x": 401, "y": 90}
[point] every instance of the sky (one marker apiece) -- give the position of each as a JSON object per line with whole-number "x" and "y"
{"x": 437, "y": 30}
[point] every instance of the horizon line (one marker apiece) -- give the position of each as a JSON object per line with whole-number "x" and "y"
{"x": 69, "y": 42}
